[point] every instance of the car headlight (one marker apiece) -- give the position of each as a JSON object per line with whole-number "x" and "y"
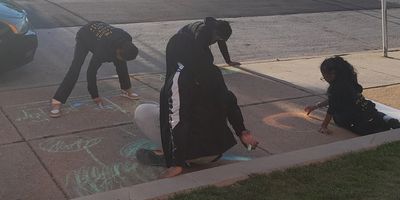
{"x": 19, "y": 26}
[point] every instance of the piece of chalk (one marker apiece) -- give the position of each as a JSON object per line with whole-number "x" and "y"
{"x": 249, "y": 147}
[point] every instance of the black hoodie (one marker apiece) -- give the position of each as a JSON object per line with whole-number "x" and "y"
{"x": 195, "y": 106}
{"x": 190, "y": 46}
{"x": 102, "y": 40}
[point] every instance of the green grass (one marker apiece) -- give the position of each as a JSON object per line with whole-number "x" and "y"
{"x": 373, "y": 174}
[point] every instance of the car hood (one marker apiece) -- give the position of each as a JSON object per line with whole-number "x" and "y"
{"x": 8, "y": 10}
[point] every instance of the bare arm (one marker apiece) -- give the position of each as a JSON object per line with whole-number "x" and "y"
{"x": 311, "y": 108}
{"x": 325, "y": 123}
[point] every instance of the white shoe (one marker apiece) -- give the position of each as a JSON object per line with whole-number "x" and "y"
{"x": 129, "y": 95}
{"x": 55, "y": 110}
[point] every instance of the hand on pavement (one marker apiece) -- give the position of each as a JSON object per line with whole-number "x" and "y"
{"x": 324, "y": 130}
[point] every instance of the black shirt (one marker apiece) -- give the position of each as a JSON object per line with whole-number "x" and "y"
{"x": 103, "y": 40}
{"x": 348, "y": 106}
{"x": 202, "y": 32}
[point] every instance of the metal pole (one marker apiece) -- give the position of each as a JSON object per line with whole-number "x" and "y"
{"x": 384, "y": 29}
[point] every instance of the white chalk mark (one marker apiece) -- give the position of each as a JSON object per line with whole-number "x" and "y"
{"x": 117, "y": 106}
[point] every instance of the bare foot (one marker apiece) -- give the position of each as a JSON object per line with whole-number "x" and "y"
{"x": 158, "y": 152}
{"x": 171, "y": 172}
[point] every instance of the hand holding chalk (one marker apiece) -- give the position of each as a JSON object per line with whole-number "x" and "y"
{"x": 248, "y": 140}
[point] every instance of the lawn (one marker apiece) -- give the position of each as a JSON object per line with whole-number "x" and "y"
{"x": 373, "y": 174}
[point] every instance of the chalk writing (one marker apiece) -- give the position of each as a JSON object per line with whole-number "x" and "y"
{"x": 36, "y": 112}
{"x": 74, "y": 146}
{"x": 32, "y": 114}
{"x": 103, "y": 177}
{"x": 89, "y": 180}
{"x": 54, "y": 146}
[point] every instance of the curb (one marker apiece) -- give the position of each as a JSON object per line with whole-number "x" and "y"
{"x": 229, "y": 174}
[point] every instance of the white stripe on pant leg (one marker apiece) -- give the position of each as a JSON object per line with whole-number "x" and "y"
{"x": 174, "y": 114}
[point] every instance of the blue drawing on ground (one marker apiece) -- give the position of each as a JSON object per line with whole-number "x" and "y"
{"x": 102, "y": 177}
{"x": 232, "y": 157}
{"x": 90, "y": 180}
{"x": 38, "y": 112}
{"x": 130, "y": 149}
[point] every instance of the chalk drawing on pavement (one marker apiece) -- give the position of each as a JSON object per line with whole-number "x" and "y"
{"x": 229, "y": 70}
{"x": 39, "y": 112}
{"x": 102, "y": 176}
{"x": 55, "y": 146}
{"x": 129, "y": 150}
{"x": 94, "y": 179}
{"x": 232, "y": 157}
{"x": 280, "y": 121}
{"x": 32, "y": 114}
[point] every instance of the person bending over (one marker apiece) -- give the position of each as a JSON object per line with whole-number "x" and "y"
{"x": 107, "y": 44}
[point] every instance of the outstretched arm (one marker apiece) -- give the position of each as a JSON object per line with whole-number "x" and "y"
{"x": 311, "y": 108}
{"x": 91, "y": 74}
{"x": 325, "y": 123}
{"x": 235, "y": 118}
{"x": 225, "y": 53}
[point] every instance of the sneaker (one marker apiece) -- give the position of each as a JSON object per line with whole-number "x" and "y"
{"x": 129, "y": 95}
{"x": 148, "y": 157}
{"x": 55, "y": 110}
{"x": 99, "y": 102}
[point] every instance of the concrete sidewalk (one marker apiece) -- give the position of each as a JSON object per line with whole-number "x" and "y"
{"x": 91, "y": 150}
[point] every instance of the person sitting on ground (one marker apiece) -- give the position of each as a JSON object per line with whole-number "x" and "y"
{"x": 192, "y": 43}
{"x": 347, "y": 106}
{"x": 108, "y": 44}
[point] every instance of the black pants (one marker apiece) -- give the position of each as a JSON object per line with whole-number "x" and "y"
{"x": 364, "y": 126}
{"x": 70, "y": 79}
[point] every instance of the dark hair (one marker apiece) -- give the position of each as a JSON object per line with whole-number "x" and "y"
{"x": 344, "y": 71}
{"x": 223, "y": 29}
{"x": 129, "y": 51}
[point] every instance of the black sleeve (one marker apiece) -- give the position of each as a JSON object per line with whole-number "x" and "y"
{"x": 229, "y": 101}
{"x": 224, "y": 50}
{"x": 234, "y": 113}
{"x": 91, "y": 74}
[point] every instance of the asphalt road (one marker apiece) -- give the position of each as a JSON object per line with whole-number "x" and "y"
{"x": 65, "y": 13}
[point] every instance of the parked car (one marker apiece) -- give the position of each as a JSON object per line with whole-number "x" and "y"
{"x": 18, "y": 40}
